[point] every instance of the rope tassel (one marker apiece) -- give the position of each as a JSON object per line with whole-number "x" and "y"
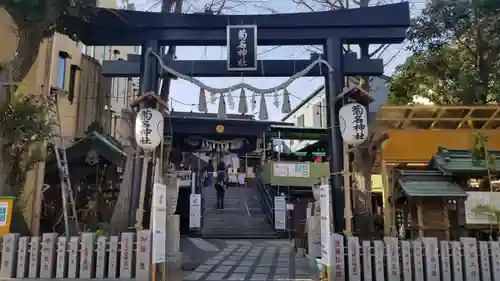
{"x": 254, "y": 102}
{"x": 263, "y": 115}
{"x": 202, "y": 101}
{"x": 243, "y": 106}
{"x": 230, "y": 101}
{"x": 221, "y": 112}
{"x": 286, "y": 107}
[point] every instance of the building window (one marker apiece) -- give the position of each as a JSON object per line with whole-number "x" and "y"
{"x": 61, "y": 70}
{"x": 73, "y": 69}
{"x": 301, "y": 121}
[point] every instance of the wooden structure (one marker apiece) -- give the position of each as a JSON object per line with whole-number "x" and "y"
{"x": 427, "y": 199}
{"x": 416, "y": 132}
{"x": 97, "y": 163}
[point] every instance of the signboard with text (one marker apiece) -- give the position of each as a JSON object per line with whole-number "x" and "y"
{"x": 159, "y": 222}
{"x": 291, "y": 170}
{"x": 241, "y": 47}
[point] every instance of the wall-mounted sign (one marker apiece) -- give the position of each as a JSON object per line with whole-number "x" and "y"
{"x": 294, "y": 170}
{"x": 279, "y": 213}
{"x": 148, "y": 128}
{"x": 241, "y": 47}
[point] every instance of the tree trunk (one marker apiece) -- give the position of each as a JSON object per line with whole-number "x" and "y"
{"x": 11, "y": 75}
{"x": 120, "y": 217}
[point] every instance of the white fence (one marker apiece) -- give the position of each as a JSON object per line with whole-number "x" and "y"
{"x": 424, "y": 259}
{"x": 87, "y": 256}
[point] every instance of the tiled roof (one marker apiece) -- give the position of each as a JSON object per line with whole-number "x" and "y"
{"x": 428, "y": 183}
{"x": 452, "y": 162}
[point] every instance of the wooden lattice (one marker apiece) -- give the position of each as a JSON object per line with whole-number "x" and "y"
{"x": 485, "y": 117}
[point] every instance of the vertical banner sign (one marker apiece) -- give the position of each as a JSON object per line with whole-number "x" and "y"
{"x": 241, "y": 47}
{"x": 279, "y": 213}
{"x": 159, "y": 211}
{"x": 326, "y": 228}
{"x": 195, "y": 210}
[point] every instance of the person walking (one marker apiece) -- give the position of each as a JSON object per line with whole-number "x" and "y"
{"x": 220, "y": 188}
{"x": 210, "y": 174}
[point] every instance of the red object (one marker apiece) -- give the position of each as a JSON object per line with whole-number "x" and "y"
{"x": 318, "y": 159}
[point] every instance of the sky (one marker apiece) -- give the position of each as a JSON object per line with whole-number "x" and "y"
{"x": 184, "y": 95}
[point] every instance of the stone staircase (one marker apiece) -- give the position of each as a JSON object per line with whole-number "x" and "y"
{"x": 242, "y": 216}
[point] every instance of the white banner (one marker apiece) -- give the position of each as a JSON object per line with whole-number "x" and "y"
{"x": 326, "y": 224}
{"x": 195, "y": 211}
{"x": 159, "y": 222}
{"x": 279, "y": 213}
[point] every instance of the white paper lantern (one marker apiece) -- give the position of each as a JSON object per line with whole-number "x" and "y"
{"x": 148, "y": 128}
{"x": 353, "y": 123}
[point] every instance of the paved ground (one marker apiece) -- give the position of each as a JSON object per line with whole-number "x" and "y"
{"x": 245, "y": 260}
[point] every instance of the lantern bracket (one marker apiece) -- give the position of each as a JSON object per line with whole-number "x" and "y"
{"x": 356, "y": 93}
{"x": 148, "y": 98}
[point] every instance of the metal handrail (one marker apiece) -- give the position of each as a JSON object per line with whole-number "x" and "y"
{"x": 267, "y": 199}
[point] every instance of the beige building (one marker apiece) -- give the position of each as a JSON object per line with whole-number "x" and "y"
{"x": 62, "y": 64}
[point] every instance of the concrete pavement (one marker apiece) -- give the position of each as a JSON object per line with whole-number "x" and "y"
{"x": 252, "y": 260}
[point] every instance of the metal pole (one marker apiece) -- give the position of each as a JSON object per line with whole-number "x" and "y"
{"x": 347, "y": 190}
{"x": 142, "y": 194}
{"x": 334, "y": 84}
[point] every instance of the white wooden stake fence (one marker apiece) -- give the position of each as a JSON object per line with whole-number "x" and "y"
{"x": 129, "y": 257}
{"x": 85, "y": 257}
{"x": 426, "y": 259}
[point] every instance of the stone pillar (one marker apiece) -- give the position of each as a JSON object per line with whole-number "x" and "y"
{"x": 9, "y": 255}
{"x": 22, "y": 257}
{"x": 113, "y": 257}
{"x": 48, "y": 255}
{"x": 174, "y": 257}
{"x": 62, "y": 260}
{"x": 87, "y": 255}
{"x": 126, "y": 255}
{"x": 100, "y": 266}
{"x": 143, "y": 255}
{"x": 74, "y": 243}
{"x": 34, "y": 266}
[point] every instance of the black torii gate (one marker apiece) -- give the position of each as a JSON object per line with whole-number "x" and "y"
{"x": 373, "y": 25}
